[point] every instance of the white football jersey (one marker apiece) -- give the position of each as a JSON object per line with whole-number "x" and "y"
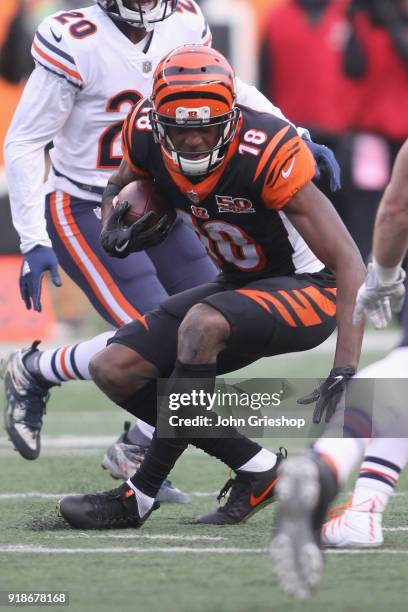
{"x": 110, "y": 74}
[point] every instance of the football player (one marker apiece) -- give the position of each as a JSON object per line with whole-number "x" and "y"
{"x": 308, "y": 484}
{"x": 243, "y": 180}
{"x": 91, "y": 66}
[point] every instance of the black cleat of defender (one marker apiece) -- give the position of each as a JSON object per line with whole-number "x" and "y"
{"x": 250, "y": 492}
{"x": 26, "y": 399}
{"x": 305, "y": 489}
{"x": 116, "y": 509}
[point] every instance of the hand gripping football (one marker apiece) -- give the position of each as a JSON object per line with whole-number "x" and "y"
{"x": 144, "y": 196}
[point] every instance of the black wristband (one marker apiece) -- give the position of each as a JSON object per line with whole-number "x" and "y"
{"x": 111, "y": 190}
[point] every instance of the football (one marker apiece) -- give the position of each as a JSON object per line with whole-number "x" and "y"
{"x": 144, "y": 196}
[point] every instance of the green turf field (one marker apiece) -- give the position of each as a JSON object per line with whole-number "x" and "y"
{"x": 169, "y": 565}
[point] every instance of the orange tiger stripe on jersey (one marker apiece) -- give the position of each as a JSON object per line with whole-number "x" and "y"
{"x": 332, "y": 290}
{"x": 292, "y": 168}
{"x": 262, "y": 297}
{"x": 304, "y": 311}
{"x": 282, "y": 159}
{"x": 323, "y": 302}
{"x": 269, "y": 149}
{"x": 50, "y": 59}
{"x": 131, "y": 312}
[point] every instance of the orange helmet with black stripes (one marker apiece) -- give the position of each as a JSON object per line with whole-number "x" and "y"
{"x": 194, "y": 88}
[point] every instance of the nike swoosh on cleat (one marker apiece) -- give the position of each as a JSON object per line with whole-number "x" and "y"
{"x": 57, "y": 38}
{"x": 286, "y": 174}
{"x": 122, "y": 248}
{"x": 254, "y": 501}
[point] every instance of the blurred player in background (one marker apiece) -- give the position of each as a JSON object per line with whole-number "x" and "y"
{"x": 91, "y": 67}
{"x": 308, "y": 484}
{"x": 281, "y": 249}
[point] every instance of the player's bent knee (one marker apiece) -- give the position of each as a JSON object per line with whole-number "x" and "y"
{"x": 120, "y": 371}
{"x": 202, "y": 334}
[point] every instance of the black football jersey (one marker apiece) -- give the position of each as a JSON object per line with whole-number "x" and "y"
{"x": 238, "y": 210}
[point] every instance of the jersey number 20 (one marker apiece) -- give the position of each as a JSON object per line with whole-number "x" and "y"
{"x": 106, "y": 157}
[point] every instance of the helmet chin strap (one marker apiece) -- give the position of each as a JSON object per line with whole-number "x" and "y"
{"x": 193, "y": 167}
{"x": 199, "y": 167}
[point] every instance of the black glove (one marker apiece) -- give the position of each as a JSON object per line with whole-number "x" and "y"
{"x": 119, "y": 239}
{"x": 329, "y": 393}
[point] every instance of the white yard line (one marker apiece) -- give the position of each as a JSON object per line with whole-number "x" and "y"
{"x": 395, "y": 528}
{"x": 22, "y": 548}
{"x": 26, "y": 549}
{"x": 366, "y": 551}
{"x": 72, "y": 442}
{"x": 69, "y": 442}
{"x": 143, "y": 536}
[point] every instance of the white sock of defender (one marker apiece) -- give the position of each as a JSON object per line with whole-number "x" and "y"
{"x": 144, "y": 502}
{"x": 261, "y": 462}
{"x": 380, "y": 471}
{"x": 341, "y": 453}
{"x": 71, "y": 362}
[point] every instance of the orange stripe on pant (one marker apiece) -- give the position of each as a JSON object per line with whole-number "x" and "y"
{"x": 323, "y": 302}
{"x": 262, "y": 297}
{"x": 304, "y": 311}
{"x": 131, "y": 312}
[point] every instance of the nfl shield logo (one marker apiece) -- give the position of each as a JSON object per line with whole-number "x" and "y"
{"x": 193, "y": 197}
{"x": 147, "y": 67}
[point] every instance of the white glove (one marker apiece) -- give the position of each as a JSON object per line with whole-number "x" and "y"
{"x": 378, "y": 300}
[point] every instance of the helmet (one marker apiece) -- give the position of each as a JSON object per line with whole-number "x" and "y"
{"x": 139, "y": 13}
{"x": 194, "y": 87}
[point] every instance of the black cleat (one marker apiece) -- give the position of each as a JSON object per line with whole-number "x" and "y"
{"x": 116, "y": 509}
{"x": 26, "y": 399}
{"x": 250, "y": 492}
{"x": 306, "y": 487}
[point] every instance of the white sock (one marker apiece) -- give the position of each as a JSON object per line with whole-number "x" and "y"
{"x": 261, "y": 462}
{"x": 380, "y": 472}
{"x": 71, "y": 362}
{"x": 144, "y": 502}
{"x": 343, "y": 454}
